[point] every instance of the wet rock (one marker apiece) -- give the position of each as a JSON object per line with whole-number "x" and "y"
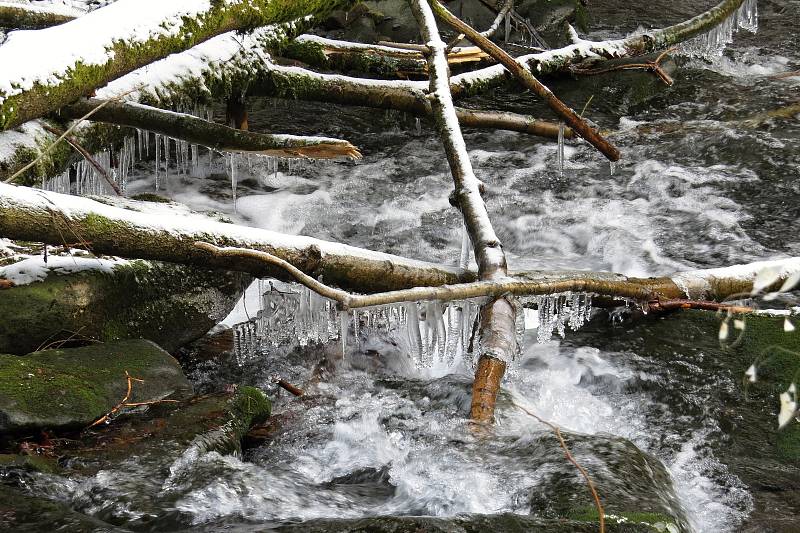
{"x": 23, "y": 513}
{"x": 133, "y": 472}
{"x": 105, "y": 299}
{"x": 512, "y": 523}
{"x": 70, "y": 388}
{"x": 633, "y": 485}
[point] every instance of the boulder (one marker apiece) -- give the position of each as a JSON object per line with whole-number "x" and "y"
{"x": 71, "y": 388}
{"x": 110, "y": 299}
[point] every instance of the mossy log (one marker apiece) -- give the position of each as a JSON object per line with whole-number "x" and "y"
{"x": 37, "y": 86}
{"x": 218, "y": 136}
{"x": 19, "y": 16}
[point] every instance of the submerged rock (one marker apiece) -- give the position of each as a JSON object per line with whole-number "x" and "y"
{"x": 111, "y": 299}
{"x": 70, "y": 388}
{"x": 506, "y": 522}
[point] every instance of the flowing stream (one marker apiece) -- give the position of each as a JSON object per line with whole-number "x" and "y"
{"x": 706, "y": 180}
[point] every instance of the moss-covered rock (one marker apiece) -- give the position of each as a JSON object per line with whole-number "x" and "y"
{"x": 635, "y": 487}
{"x": 111, "y": 300}
{"x": 68, "y": 389}
{"x": 22, "y": 513}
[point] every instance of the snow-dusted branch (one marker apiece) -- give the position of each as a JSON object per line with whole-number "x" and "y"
{"x": 46, "y": 69}
{"x": 198, "y": 131}
{"x": 496, "y": 334}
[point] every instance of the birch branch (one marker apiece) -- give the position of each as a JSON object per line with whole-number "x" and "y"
{"x": 497, "y": 337}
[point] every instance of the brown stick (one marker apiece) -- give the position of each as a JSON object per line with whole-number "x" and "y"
{"x": 580, "y": 126}
{"x": 124, "y": 403}
{"x": 600, "y": 511}
{"x": 87, "y": 156}
{"x": 670, "y": 305}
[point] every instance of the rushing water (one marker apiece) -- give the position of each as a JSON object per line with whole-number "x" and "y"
{"x": 704, "y": 181}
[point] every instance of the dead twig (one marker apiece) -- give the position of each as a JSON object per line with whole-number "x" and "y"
{"x": 669, "y": 305}
{"x": 125, "y": 403}
{"x": 571, "y": 459}
{"x": 52, "y": 145}
{"x": 652, "y": 66}
{"x": 87, "y": 156}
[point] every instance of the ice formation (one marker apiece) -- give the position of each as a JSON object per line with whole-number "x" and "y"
{"x": 431, "y": 331}
{"x": 712, "y": 43}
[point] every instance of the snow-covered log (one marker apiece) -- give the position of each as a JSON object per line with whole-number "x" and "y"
{"x": 166, "y": 232}
{"x": 198, "y": 131}
{"x": 46, "y": 69}
{"x": 16, "y": 15}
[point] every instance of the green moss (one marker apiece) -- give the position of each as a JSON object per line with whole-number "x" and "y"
{"x": 69, "y": 388}
{"x": 656, "y": 521}
{"x": 151, "y": 197}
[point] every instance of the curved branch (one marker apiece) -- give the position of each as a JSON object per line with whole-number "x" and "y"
{"x": 217, "y": 136}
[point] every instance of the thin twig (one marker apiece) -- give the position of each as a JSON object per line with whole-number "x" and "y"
{"x": 87, "y": 156}
{"x": 653, "y": 66}
{"x": 600, "y": 511}
{"x": 668, "y": 305}
{"x": 52, "y": 145}
{"x": 124, "y": 403}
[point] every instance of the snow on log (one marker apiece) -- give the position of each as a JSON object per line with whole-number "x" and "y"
{"x": 16, "y": 15}
{"x": 165, "y": 232}
{"x": 46, "y": 69}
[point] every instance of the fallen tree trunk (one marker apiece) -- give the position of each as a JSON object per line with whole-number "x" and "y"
{"x": 165, "y": 232}
{"x": 198, "y": 131}
{"x": 117, "y": 39}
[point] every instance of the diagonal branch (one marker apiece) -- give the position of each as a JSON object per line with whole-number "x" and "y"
{"x": 580, "y": 126}
{"x": 497, "y": 338}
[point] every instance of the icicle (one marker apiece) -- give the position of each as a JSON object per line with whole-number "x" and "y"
{"x": 508, "y": 26}
{"x": 418, "y": 126}
{"x": 158, "y": 156}
{"x": 560, "y": 153}
{"x": 712, "y": 44}
{"x": 612, "y": 167}
{"x": 466, "y": 248}
{"x": 343, "y": 327}
{"x": 232, "y": 165}
{"x": 166, "y": 162}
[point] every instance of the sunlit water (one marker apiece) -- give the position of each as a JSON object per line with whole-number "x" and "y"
{"x": 697, "y": 187}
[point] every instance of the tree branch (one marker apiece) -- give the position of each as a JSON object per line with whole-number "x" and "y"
{"x": 524, "y": 76}
{"x": 16, "y": 15}
{"x": 217, "y": 136}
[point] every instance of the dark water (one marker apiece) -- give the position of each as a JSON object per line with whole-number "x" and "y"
{"x": 705, "y": 181}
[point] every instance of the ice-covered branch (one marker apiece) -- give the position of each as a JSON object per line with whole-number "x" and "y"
{"x": 115, "y": 40}
{"x": 529, "y": 81}
{"x": 198, "y": 131}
